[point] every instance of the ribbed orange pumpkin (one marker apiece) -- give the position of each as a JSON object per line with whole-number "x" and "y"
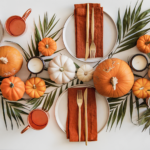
{"x": 113, "y": 78}
{"x": 11, "y": 61}
{"x": 12, "y": 88}
{"x": 141, "y": 88}
{"x": 143, "y": 44}
{"x": 47, "y": 46}
{"x": 35, "y": 87}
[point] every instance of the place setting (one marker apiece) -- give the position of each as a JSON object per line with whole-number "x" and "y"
{"x": 99, "y": 26}
{"x": 94, "y": 113}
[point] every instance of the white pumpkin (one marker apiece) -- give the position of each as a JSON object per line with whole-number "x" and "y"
{"x": 61, "y": 69}
{"x": 85, "y": 73}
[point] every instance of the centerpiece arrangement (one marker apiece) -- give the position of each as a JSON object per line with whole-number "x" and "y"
{"x": 113, "y": 78}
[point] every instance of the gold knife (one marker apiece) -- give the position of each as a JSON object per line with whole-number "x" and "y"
{"x": 87, "y": 33}
{"x": 86, "y": 119}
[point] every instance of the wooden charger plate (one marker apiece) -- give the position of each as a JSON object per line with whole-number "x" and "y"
{"x": 61, "y": 109}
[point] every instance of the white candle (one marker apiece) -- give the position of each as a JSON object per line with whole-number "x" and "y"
{"x": 35, "y": 65}
{"x": 139, "y": 62}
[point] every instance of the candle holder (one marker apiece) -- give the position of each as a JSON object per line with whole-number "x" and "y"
{"x": 35, "y": 65}
{"x": 136, "y": 60}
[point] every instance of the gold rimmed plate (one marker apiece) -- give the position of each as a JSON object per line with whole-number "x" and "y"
{"x": 61, "y": 109}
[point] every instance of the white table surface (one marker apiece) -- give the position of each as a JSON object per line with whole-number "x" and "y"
{"x": 129, "y": 137}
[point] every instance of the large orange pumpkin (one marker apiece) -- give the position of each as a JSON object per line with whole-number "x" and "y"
{"x": 47, "y": 46}
{"x": 113, "y": 78}
{"x": 141, "y": 88}
{"x": 10, "y": 61}
{"x": 143, "y": 44}
{"x": 12, "y": 88}
{"x": 35, "y": 87}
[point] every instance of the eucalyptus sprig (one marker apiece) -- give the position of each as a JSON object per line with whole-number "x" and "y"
{"x": 131, "y": 27}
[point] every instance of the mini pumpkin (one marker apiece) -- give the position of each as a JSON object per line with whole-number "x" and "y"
{"x": 143, "y": 44}
{"x": 85, "y": 73}
{"x": 113, "y": 78}
{"x": 35, "y": 87}
{"x": 11, "y": 61}
{"x": 61, "y": 69}
{"x": 12, "y": 88}
{"x": 47, "y": 46}
{"x": 141, "y": 88}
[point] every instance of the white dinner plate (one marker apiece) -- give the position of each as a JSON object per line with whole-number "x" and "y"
{"x": 109, "y": 37}
{"x": 61, "y": 109}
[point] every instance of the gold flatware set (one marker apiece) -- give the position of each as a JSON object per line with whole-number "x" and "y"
{"x": 92, "y": 49}
{"x": 79, "y": 103}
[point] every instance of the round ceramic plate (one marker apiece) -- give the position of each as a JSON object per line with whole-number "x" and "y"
{"x": 61, "y": 109}
{"x": 109, "y": 37}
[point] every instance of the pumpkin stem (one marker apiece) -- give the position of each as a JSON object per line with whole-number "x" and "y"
{"x": 114, "y": 81}
{"x": 146, "y": 43}
{"x": 47, "y": 46}
{"x": 11, "y": 85}
{"x": 34, "y": 86}
{"x": 61, "y": 69}
{"x": 85, "y": 73}
{"x": 4, "y": 60}
{"x": 141, "y": 88}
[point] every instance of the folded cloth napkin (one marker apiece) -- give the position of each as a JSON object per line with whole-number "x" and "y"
{"x": 80, "y": 28}
{"x": 72, "y": 118}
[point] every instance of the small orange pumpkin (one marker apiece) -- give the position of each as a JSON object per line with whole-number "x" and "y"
{"x": 12, "y": 88}
{"x": 113, "y": 78}
{"x": 11, "y": 61}
{"x": 35, "y": 87}
{"x": 143, "y": 44}
{"x": 141, "y": 88}
{"x": 47, "y": 46}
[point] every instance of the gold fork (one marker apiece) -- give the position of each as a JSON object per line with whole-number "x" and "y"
{"x": 92, "y": 47}
{"x": 79, "y": 102}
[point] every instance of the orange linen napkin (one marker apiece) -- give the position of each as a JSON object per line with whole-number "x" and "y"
{"x": 80, "y": 28}
{"x": 72, "y": 118}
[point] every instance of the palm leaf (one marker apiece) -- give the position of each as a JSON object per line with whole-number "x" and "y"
{"x": 114, "y": 117}
{"x": 131, "y": 106}
{"x": 137, "y": 28}
{"x": 137, "y": 106}
{"x": 9, "y": 114}
{"x": 133, "y": 13}
{"x": 3, "y": 108}
{"x": 125, "y": 22}
{"x": 41, "y": 28}
{"x": 128, "y": 18}
{"x": 124, "y": 111}
{"x": 138, "y": 12}
{"x": 119, "y": 26}
{"x": 119, "y": 113}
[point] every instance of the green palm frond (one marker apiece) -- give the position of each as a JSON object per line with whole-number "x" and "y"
{"x": 45, "y": 30}
{"x": 13, "y": 110}
{"x": 131, "y": 27}
{"x": 117, "y": 110}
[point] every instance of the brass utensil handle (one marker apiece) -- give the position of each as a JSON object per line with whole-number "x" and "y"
{"x": 87, "y": 24}
{"x": 79, "y": 124}
{"x": 92, "y": 25}
{"x": 86, "y": 125}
